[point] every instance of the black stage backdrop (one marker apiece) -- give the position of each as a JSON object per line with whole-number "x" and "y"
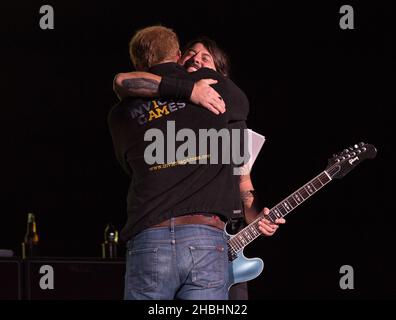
{"x": 314, "y": 89}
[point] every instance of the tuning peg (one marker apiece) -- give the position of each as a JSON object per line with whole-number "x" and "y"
{"x": 361, "y": 144}
{"x": 353, "y": 154}
{"x": 356, "y": 146}
{"x": 351, "y": 148}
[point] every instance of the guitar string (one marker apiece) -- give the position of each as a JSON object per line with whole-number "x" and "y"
{"x": 326, "y": 173}
{"x": 240, "y": 245}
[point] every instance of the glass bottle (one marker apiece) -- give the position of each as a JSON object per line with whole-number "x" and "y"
{"x": 109, "y": 246}
{"x": 31, "y": 239}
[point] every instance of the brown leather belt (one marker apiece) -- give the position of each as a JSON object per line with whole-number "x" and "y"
{"x": 213, "y": 221}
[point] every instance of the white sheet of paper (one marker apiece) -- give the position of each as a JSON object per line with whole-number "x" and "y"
{"x": 256, "y": 142}
{"x": 256, "y": 145}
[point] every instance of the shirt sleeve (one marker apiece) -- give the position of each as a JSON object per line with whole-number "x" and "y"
{"x": 118, "y": 133}
{"x": 238, "y": 103}
{"x": 239, "y": 147}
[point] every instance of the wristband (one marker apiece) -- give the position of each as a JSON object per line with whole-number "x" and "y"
{"x": 175, "y": 88}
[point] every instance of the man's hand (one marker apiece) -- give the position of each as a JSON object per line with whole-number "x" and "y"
{"x": 267, "y": 227}
{"x": 204, "y": 95}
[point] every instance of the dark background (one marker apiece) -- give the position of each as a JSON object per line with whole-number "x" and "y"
{"x": 314, "y": 90}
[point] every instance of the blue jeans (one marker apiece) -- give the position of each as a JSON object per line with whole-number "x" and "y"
{"x": 188, "y": 262}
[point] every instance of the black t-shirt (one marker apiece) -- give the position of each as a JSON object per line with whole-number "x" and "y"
{"x": 160, "y": 191}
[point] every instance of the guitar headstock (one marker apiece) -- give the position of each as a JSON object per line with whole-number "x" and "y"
{"x": 340, "y": 164}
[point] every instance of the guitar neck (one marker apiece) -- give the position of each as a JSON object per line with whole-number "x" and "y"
{"x": 283, "y": 208}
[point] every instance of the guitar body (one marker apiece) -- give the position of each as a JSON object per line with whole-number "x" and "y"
{"x": 243, "y": 269}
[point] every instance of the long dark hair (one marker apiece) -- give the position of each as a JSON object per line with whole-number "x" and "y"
{"x": 220, "y": 58}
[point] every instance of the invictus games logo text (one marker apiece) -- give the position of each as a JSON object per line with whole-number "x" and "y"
{"x": 155, "y": 109}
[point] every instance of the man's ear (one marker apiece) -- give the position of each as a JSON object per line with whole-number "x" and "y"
{"x": 178, "y": 55}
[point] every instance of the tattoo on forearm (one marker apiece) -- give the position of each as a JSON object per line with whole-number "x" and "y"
{"x": 140, "y": 85}
{"x": 246, "y": 196}
{"x": 249, "y": 199}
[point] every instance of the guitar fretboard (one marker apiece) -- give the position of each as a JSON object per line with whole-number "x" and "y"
{"x": 251, "y": 232}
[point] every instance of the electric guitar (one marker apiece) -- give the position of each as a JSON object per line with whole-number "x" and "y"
{"x": 242, "y": 269}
